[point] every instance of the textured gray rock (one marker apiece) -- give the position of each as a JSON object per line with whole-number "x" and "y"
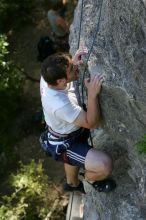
{"x": 119, "y": 52}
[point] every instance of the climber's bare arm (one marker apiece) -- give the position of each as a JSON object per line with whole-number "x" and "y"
{"x": 91, "y": 118}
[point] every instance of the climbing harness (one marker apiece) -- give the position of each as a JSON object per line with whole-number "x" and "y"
{"x": 86, "y": 63}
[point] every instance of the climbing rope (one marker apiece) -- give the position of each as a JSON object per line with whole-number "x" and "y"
{"x": 86, "y": 63}
{"x": 85, "y": 69}
{"x": 76, "y": 84}
{"x": 81, "y": 17}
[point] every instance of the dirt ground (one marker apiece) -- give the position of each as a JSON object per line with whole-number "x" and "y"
{"x": 24, "y": 53}
{"x": 23, "y": 47}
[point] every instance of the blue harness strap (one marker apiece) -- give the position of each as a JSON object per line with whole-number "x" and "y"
{"x": 58, "y": 151}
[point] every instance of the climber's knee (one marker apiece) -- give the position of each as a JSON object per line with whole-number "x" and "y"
{"x": 98, "y": 165}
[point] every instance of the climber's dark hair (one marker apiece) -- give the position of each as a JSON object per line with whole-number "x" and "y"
{"x": 54, "y": 67}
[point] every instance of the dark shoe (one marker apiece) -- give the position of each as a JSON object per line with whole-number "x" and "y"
{"x": 106, "y": 185}
{"x": 69, "y": 188}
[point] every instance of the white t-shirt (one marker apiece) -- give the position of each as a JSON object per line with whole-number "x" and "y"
{"x": 60, "y": 107}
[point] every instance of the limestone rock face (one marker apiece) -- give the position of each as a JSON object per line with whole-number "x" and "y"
{"x": 119, "y": 52}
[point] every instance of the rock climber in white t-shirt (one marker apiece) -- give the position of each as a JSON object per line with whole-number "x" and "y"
{"x": 68, "y": 124}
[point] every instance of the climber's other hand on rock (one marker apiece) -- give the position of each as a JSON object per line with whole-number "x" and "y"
{"x": 93, "y": 85}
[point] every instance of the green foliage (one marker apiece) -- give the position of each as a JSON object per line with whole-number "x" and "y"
{"x": 3, "y": 49}
{"x": 11, "y": 82}
{"x": 141, "y": 145}
{"x": 10, "y": 78}
{"x": 29, "y": 200}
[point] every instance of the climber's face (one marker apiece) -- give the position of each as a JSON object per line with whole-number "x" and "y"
{"x": 72, "y": 72}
